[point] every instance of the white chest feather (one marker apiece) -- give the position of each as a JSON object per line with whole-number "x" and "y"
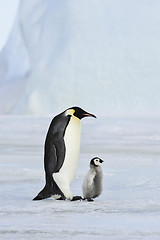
{"x": 72, "y": 143}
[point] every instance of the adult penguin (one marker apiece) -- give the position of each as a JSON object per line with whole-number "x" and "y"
{"x": 61, "y": 154}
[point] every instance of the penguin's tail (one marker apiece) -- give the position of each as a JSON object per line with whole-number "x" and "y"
{"x": 45, "y": 193}
{"x": 49, "y": 190}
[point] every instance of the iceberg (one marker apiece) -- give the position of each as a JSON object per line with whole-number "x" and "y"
{"x": 100, "y": 55}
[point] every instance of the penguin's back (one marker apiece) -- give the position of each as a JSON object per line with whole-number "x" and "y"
{"x": 98, "y": 182}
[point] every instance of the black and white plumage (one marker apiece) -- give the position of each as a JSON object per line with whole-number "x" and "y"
{"x": 92, "y": 185}
{"x": 61, "y": 154}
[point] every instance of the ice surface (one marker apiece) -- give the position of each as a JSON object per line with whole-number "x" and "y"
{"x": 87, "y": 53}
{"x": 129, "y": 207}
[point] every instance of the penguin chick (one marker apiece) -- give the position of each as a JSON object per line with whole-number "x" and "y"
{"x": 92, "y": 185}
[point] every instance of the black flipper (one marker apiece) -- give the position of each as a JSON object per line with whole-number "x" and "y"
{"x": 54, "y": 156}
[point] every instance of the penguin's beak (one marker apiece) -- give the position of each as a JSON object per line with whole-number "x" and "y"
{"x": 89, "y": 115}
{"x": 101, "y": 161}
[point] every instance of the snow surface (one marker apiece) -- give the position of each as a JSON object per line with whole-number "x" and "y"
{"x": 128, "y": 208}
{"x": 88, "y": 53}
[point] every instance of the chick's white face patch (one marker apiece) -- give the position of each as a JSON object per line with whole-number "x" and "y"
{"x": 97, "y": 162}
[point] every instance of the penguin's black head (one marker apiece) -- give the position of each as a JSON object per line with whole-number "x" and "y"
{"x": 96, "y": 161}
{"x": 79, "y": 112}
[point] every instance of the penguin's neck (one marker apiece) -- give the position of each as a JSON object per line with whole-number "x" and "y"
{"x": 96, "y": 168}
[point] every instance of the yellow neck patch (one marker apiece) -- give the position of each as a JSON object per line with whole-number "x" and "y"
{"x": 70, "y": 112}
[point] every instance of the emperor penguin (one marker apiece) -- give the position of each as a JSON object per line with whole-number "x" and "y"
{"x": 92, "y": 185}
{"x": 61, "y": 153}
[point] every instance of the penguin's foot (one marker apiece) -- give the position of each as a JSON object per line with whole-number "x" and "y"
{"x": 76, "y": 198}
{"x": 61, "y": 198}
{"x": 90, "y": 200}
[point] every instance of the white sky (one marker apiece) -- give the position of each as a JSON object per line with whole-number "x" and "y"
{"x": 8, "y": 10}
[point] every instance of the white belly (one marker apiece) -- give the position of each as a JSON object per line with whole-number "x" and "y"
{"x": 67, "y": 172}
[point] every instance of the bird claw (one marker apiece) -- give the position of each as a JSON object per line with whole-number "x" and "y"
{"x": 76, "y": 198}
{"x": 88, "y": 199}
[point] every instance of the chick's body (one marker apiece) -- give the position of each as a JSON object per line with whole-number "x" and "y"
{"x": 92, "y": 185}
